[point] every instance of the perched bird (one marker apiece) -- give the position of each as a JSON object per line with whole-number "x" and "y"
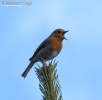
{"x": 47, "y": 50}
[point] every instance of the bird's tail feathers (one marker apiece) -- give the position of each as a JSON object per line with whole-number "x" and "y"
{"x": 24, "y": 74}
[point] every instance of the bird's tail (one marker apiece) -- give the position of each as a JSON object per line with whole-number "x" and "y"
{"x": 24, "y": 74}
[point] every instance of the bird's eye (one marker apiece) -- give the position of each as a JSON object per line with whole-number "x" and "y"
{"x": 59, "y": 31}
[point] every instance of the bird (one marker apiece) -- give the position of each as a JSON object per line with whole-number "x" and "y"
{"x": 47, "y": 50}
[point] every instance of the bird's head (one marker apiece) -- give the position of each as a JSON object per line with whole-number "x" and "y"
{"x": 59, "y": 34}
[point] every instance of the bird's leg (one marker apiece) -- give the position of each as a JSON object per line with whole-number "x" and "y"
{"x": 44, "y": 63}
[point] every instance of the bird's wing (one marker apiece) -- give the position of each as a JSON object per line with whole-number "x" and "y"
{"x": 41, "y": 46}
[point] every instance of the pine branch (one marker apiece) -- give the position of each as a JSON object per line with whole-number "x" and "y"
{"x": 49, "y": 82}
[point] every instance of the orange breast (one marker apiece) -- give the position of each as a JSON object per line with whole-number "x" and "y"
{"x": 55, "y": 45}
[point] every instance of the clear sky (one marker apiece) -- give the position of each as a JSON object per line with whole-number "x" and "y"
{"x": 23, "y": 28}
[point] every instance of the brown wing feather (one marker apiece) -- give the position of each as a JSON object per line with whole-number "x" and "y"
{"x": 42, "y": 45}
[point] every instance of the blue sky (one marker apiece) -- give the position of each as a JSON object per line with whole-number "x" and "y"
{"x": 23, "y": 28}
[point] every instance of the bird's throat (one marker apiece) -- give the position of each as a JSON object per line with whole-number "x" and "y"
{"x": 56, "y": 44}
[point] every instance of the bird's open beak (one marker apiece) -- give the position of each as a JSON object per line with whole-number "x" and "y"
{"x": 64, "y": 33}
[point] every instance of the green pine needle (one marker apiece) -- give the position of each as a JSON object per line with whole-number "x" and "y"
{"x": 49, "y": 82}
